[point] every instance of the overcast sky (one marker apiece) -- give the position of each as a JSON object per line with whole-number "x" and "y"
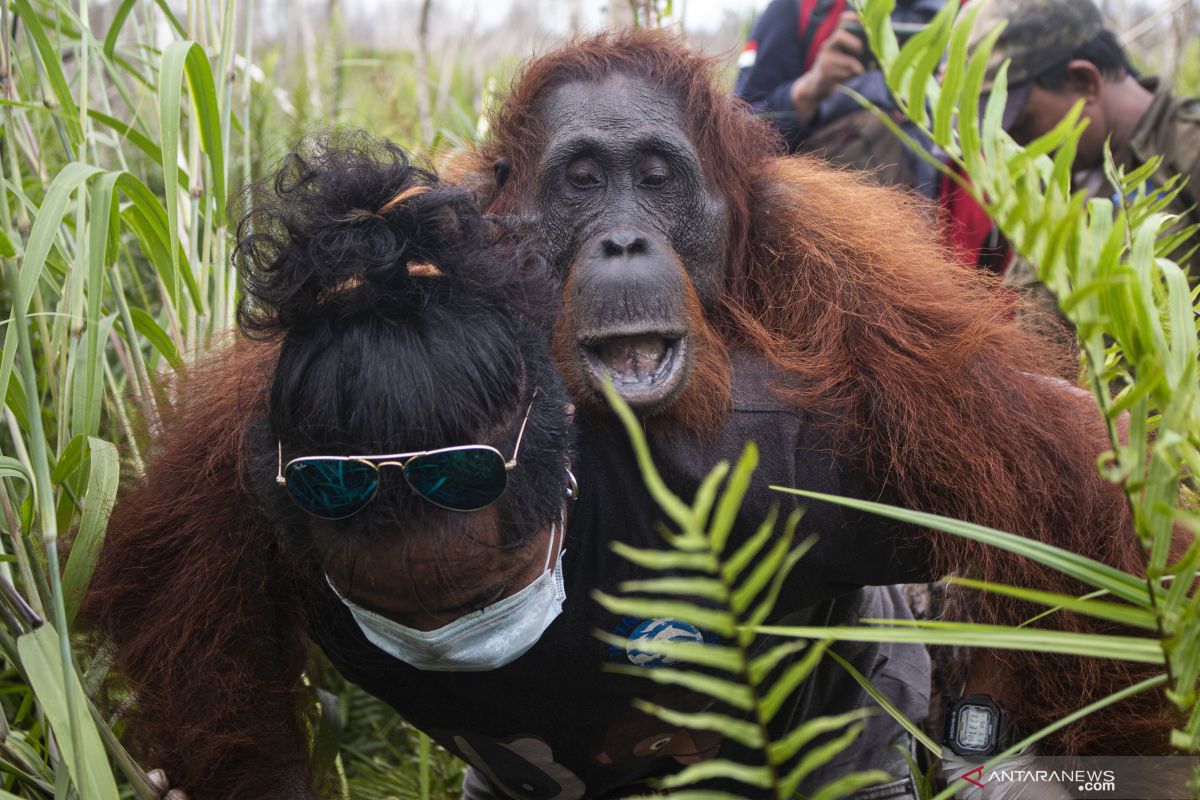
{"x": 698, "y": 14}
{"x": 393, "y": 21}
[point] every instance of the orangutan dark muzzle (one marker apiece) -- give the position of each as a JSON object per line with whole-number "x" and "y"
{"x": 627, "y": 301}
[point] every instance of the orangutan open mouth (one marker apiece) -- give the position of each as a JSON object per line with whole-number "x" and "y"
{"x": 646, "y": 369}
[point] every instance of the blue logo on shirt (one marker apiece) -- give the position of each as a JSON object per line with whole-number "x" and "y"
{"x": 659, "y": 630}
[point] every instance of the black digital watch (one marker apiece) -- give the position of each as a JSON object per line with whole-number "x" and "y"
{"x": 976, "y": 726}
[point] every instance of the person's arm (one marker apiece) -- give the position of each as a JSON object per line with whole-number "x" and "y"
{"x": 837, "y": 62}
{"x": 775, "y": 81}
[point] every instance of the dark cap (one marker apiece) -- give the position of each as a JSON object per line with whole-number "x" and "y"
{"x": 1039, "y": 34}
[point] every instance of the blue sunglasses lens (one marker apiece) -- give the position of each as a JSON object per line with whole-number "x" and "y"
{"x": 460, "y": 480}
{"x": 330, "y": 488}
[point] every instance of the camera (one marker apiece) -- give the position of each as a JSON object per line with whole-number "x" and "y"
{"x": 904, "y": 32}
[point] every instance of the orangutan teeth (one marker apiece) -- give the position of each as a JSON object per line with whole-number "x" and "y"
{"x": 643, "y": 367}
{"x": 634, "y": 359}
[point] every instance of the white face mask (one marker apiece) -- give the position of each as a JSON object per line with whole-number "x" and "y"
{"x": 482, "y": 640}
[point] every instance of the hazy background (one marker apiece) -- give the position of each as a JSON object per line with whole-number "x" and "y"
{"x": 528, "y": 25}
{"x": 424, "y": 71}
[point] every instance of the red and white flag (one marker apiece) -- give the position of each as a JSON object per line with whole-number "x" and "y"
{"x": 748, "y": 56}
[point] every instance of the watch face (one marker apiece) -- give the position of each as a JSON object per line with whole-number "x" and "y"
{"x": 975, "y": 724}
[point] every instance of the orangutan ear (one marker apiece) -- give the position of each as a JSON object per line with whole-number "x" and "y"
{"x": 500, "y": 171}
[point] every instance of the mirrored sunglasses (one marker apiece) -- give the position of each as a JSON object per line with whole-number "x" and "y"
{"x": 464, "y": 478}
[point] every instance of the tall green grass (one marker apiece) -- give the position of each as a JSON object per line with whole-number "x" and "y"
{"x": 119, "y": 150}
{"x": 106, "y": 280}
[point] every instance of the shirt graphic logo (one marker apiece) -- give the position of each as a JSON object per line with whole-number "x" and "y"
{"x": 659, "y": 630}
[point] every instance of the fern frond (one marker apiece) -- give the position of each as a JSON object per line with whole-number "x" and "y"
{"x": 699, "y": 794}
{"x": 734, "y": 565}
{"x": 725, "y": 691}
{"x": 717, "y": 621}
{"x": 660, "y": 560}
{"x": 707, "y": 588}
{"x": 745, "y": 733}
{"x": 731, "y": 499}
{"x": 775, "y": 697}
{"x": 732, "y": 593}
{"x": 763, "y": 664}
{"x": 849, "y": 784}
{"x": 769, "y": 566}
{"x": 760, "y": 614}
{"x": 818, "y": 757}
{"x": 759, "y": 777}
{"x": 706, "y": 494}
{"x": 786, "y": 748}
{"x": 704, "y": 654}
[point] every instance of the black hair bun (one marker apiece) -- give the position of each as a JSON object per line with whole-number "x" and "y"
{"x": 348, "y": 224}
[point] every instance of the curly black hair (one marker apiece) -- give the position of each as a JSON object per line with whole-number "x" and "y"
{"x": 409, "y": 321}
{"x": 345, "y": 210}
{"x": 1103, "y": 50}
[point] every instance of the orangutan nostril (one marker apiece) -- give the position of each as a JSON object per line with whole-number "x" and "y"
{"x": 624, "y": 242}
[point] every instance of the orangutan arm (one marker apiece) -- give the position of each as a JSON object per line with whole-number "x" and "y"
{"x": 195, "y": 604}
{"x": 926, "y": 375}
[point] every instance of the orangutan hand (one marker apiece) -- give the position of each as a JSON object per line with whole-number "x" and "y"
{"x": 158, "y": 779}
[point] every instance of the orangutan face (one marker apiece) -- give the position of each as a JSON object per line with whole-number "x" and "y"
{"x": 626, "y": 216}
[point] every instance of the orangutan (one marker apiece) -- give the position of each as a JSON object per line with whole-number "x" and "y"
{"x": 683, "y": 235}
{"x": 687, "y": 247}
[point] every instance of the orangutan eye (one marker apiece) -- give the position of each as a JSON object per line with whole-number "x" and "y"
{"x": 584, "y": 173}
{"x": 655, "y": 172}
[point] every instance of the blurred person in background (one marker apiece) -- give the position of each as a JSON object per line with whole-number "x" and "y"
{"x": 1062, "y": 53}
{"x": 799, "y": 54}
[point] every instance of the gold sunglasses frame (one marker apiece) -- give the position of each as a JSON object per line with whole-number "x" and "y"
{"x": 390, "y": 460}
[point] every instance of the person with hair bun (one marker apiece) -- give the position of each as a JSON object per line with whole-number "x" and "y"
{"x": 414, "y": 391}
{"x": 414, "y": 458}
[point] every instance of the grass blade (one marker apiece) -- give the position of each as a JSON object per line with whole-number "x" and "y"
{"x": 963, "y": 634}
{"x": 1120, "y": 584}
{"x": 97, "y": 505}
{"x": 44, "y": 668}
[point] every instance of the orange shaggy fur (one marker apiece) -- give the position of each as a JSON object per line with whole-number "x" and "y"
{"x": 197, "y": 605}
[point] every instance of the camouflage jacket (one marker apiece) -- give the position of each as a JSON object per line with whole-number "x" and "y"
{"x": 1171, "y": 128}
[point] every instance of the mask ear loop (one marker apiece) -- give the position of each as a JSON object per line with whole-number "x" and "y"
{"x": 572, "y": 493}
{"x": 555, "y": 526}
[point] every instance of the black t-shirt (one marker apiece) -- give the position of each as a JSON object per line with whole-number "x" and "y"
{"x": 555, "y": 724}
